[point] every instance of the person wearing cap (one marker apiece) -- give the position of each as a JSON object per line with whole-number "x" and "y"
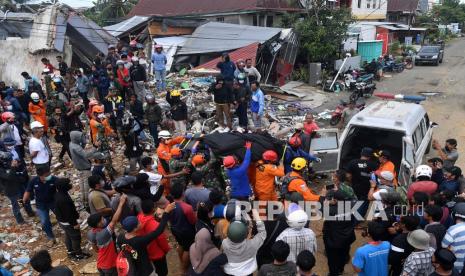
{"x": 139, "y": 78}
{"x": 455, "y": 235}
{"x": 266, "y": 170}
{"x": 443, "y": 263}
{"x": 400, "y": 248}
{"x": 386, "y": 185}
{"x": 153, "y": 115}
{"x": 223, "y": 97}
{"x": 297, "y": 235}
{"x": 451, "y": 179}
{"x": 237, "y": 173}
{"x": 338, "y": 234}
{"x": 385, "y": 164}
{"x": 372, "y": 258}
{"x": 196, "y": 192}
{"x": 38, "y": 111}
{"x": 419, "y": 262}
{"x": 241, "y": 98}
{"x": 159, "y": 62}
{"x": 449, "y": 153}
{"x": 39, "y": 148}
{"x": 360, "y": 170}
{"x": 242, "y": 252}
{"x": 350, "y": 111}
{"x": 178, "y": 110}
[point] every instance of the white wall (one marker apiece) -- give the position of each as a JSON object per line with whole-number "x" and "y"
{"x": 377, "y": 9}
{"x": 246, "y": 19}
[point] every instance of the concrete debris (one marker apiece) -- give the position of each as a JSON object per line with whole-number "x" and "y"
{"x": 89, "y": 268}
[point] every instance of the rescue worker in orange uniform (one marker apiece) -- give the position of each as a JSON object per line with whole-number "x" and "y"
{"x": 297, "y": 183}
{"x": 98, "y": 120}
{"x": 38, "y": 111}
{"x": 164, "y": 155}
{"x": 385, "y": 164}
{"x": 266, "y": 171}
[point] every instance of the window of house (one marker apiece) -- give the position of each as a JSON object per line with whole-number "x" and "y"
{"x": 269, "y": 21}
{"x": 220, "y": 19}
{"x": 368, "y": 4}
{"x": 359, "y": 4}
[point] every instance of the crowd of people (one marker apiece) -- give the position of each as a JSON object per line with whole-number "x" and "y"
{"x": 199, "y": 194}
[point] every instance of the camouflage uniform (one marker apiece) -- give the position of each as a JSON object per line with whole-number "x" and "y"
{"x": 176, "y": 165}
{"x": 211, "y": 172}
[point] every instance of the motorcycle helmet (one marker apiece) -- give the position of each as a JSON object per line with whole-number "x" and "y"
{"x": 295, "y": 141}
{"x": 7, "y": 115}
{"x": 423, "y": 170}
{"x": 297, "y": 219}
{"x": 270, "y": 156}
{"x": 35, "y": 97}
{"x": 299, "y": 164}
{"x": 237, "y": 231}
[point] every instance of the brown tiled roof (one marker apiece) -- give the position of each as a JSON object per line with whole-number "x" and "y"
{"x": 402, "y": 5}
{"x": 188, "y": 7}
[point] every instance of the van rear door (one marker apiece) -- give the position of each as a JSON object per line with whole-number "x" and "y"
{"x": 325, "y": 146}
{"x": 407, "y": 165}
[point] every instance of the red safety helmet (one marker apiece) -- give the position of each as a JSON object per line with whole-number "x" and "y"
{"x": 295, "y": 141}
{"x": 270, "y": 156}
{"x": 7, "y": 115}
{"x": 229, "y": 162}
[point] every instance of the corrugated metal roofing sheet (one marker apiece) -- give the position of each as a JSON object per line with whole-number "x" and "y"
{"x": 126, "y": 25}
{"x": 244, "y": 53}
{"x": 214, "y": 37}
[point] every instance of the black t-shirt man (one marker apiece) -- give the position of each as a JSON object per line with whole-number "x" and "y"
{"x": 361, "y": 170}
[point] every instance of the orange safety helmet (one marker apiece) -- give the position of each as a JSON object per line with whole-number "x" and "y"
{"x": 98, "y": 109}
{"x": 176, "y": 152}
{"x": 270, "y": 155}
{"x": 7, "y": 115}
{"x": 198, "y": 159}
{"x": 229, "y": 162}
{"x": 295, "y": 141}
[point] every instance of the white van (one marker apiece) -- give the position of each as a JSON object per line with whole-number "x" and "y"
{"x": 403, "y": 128}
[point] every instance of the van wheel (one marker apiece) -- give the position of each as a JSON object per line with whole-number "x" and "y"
{"x": 428, "y": 148}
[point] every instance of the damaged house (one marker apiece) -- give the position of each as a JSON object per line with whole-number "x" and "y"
{"x": 55, "y": 30}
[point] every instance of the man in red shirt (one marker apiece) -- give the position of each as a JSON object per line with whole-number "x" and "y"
{"x": 48, "y": 65}
{"x": 423, "y": 184}
{"x": 159, "y": 247}
{"x": 101, "y": 237}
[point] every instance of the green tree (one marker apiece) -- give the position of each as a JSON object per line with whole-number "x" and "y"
{"x": 107, "y": 12}
{"x": 321, "y": 29}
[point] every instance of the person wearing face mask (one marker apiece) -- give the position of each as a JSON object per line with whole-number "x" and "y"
{"x": 38, "y": 111}
{"x": 67, "y": 217}
{"x": 43, "y": 188}
{"x": 9, "y": 130}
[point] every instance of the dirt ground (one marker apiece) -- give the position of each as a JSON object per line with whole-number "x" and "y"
{"x": 446, "y": 108}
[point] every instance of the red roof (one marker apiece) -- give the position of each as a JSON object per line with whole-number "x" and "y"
{"x": 190, "y": 7}
{"x": 402, "y": 5}
{"x": 244, "y": 53}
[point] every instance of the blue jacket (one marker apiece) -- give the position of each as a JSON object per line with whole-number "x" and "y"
{"x": 257, "y": 104}
{"x": 240, "y": 184}
{"x": 159, "y": 61}
{"x": 227, "y": 69}
{"x": 291, "y": 154}
{"x": 451, "y": 185}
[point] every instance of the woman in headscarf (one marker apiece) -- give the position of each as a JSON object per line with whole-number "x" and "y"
{"x": 205, "y": 258}
{"x": 204, "y": 221}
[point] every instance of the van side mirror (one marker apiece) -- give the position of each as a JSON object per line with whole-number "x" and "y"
{"x": 433, "y": 125}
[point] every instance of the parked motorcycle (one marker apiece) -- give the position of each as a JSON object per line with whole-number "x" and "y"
{"x": 408, "y": 62}
{"x": 362, "y": 89}
{"x": 336, "y": 116}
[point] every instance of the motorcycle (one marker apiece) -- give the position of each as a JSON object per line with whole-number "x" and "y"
{"x": 336, "y": 116}
{"x": 367, "y": 78}
{"x": 408, "y": 62}
{"x": 362, "y": 89}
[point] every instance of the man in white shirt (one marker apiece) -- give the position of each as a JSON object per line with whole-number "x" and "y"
{"x": 38, "y": 146}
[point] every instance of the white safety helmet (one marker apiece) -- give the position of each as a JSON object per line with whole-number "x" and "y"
{"x": 120, "y": 62}
{"x": 297, "y": 219}
{"x": 423, "y": 170}
{"x": 35, "y": 96}
{"x": 36, "y": 124}
{"x": 165, "y": 134}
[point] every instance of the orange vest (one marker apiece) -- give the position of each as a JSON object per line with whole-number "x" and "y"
{"x": 164, "y": 155}
{"x": 94, "y": 128}
{"x": 264, "y": 181}
{"x": 42, "y": 117}
{"x": 300, "y": 186}
{"x": 388, "y": 166}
